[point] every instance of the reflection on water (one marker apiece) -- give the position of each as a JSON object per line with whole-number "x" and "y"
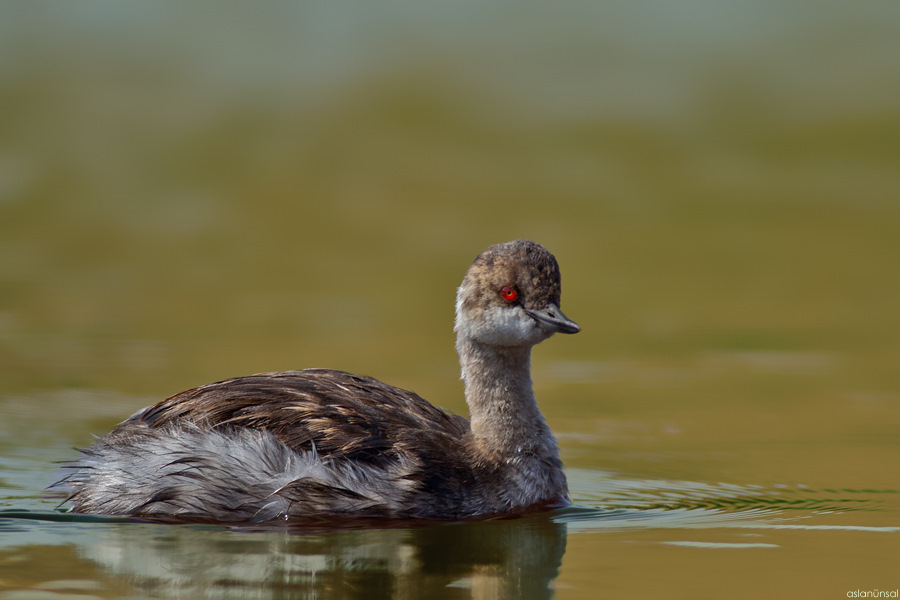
{"x": 504, "y": 558}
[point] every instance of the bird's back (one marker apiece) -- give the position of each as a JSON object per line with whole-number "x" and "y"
{"x": 293, "y": 443}
{"x": 340, "y": 415}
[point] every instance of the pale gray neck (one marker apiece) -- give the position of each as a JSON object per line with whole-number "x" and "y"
{"x": 504, "y": 414}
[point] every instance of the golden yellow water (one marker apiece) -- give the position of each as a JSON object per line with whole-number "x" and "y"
{"x": 186, "y": 197}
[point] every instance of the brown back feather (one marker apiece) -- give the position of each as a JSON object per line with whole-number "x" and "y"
{"x": 341, "y": 416}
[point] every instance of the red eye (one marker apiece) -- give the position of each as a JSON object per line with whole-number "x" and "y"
{"x": 508, "y": 293}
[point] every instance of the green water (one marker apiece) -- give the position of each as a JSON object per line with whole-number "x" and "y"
{"x": 186, "y": 197}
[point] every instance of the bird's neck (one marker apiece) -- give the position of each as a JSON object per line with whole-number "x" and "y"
{"x": 505, "y": 418}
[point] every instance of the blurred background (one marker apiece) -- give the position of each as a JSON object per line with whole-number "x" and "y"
{"x": 193, "y": 192}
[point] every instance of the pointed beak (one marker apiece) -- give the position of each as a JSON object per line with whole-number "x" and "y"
{"x": 553, "y": 318}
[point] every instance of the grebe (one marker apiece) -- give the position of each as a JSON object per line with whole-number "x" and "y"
{"x": 320, "y": 442}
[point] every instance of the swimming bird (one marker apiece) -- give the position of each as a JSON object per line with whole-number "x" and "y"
{"x": 321, "y": 442}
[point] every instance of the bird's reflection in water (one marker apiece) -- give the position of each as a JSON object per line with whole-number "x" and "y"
{"x": 499, "y": 558}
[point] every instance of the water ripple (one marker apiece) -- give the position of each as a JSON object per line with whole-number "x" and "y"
{"x": 604, "y": 491}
